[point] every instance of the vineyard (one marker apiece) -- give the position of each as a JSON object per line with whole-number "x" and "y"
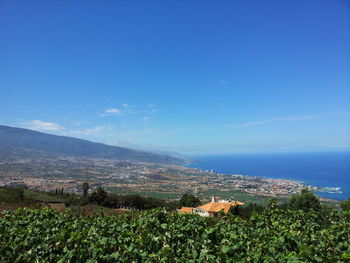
{"x": 275, "y": 235}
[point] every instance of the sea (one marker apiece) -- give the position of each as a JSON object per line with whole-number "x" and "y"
{"x": 322, "y": 169}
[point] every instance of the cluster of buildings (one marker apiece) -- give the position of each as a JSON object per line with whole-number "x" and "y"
{"x": 48, "y": 174}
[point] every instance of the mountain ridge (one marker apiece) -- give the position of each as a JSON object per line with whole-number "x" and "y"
{"x": 14, "y": 139}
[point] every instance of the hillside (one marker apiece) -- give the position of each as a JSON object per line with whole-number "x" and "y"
{"x": 31, "y": 144}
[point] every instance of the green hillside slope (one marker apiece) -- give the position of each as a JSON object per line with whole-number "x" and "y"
{"x": 18, "y": 141}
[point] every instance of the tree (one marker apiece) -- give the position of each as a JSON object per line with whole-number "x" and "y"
{"x": 86, "y": 189}
{"x": 247, "y": 210}
{"x": 20, "y": 193}
{"x": 99, "y": 196}
{"x": 305, "y": 200}
{"x": 189, "y": 200}
{"x": 135, "y": 201}
{"x": 345, "y": 205}
{"x": 236, "y": 210}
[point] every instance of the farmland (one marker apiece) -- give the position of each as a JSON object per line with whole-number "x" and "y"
{"x": 276, "y": 235}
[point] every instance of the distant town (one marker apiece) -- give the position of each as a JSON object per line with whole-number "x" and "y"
{"x": 167, "y": 181}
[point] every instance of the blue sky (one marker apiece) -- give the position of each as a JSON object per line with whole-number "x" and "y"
{"x": 189, "y": 76}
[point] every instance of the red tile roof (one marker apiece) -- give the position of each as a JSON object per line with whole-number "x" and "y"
{"x": 213, "y": 207}
{"x": 186, "y": 210}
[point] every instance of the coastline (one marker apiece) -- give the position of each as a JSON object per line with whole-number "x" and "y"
{"x": 320, "y": 172}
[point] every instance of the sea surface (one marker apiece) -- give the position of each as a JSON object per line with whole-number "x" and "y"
{"x": 331, "y": 169}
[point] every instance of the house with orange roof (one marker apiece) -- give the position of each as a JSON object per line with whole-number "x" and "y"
{"x": 186, "y": 210}
{"x": 213, "y": 208}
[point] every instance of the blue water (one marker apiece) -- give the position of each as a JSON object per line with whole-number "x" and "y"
{"x": 318, "y": 169}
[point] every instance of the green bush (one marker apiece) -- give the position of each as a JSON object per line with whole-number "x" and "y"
{"x": 345, "y": 205}
{"x": 275, "y": 235}
{"x": 305, "y": 200}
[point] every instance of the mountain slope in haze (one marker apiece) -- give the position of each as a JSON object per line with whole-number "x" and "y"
{"x": 23, "y": 141}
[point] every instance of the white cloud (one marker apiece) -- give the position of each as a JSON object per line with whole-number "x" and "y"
{"x": 283, "y": 119}
{"x": 125, "y": 105}
{"x": 145, "y": 118}
{"x": 42, "y": 125}
{"x": 112, "y": 111}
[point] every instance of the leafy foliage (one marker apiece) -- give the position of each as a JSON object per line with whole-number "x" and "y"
{"x": 345, "y": 205}
{"x": 275, "y": 235}
{"x": 134, "y": 201}
{"x": 189, "y": 200}
{"x": 305, "y": 200}
{"x": 98, "y": 196}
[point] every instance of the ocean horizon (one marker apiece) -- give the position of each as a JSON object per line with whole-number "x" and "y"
{"x": 320, "y": 169}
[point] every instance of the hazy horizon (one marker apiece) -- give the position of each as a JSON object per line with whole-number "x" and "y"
{"x": 180, "y": 76}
